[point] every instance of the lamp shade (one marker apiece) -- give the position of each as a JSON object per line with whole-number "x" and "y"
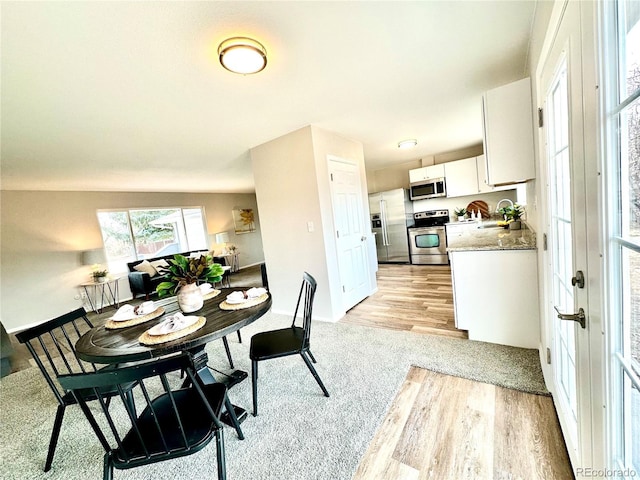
{"x": 410, "y": 143}
{"x": 242, "y": 55}
{"x": 93, "y": 257}
{"x": 222, "y": 237}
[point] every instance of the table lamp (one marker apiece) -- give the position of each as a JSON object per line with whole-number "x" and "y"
{"x": 96, "y": 258}
{"x": 223, "y": 238}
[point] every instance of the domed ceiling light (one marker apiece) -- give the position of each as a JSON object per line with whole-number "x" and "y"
{"x": 242, "y": 55}
{"x": 404, "y": 144}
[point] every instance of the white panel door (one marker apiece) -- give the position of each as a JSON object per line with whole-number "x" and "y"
{"x": 351, "y": 234}
{"x": 566, "y": 294}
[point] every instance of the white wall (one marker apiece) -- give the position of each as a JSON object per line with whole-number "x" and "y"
{"x": 287, "y": 195}
{"x": 538, "y": 32}
{"x": 44, "y": 233}
{"x": 292, "y": 189}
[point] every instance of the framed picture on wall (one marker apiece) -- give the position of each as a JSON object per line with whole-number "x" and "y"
{"x": 243, "y": 220}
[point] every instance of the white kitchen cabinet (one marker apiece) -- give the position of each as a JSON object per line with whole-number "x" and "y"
{"x": 495, "y": 295}
{"x": 483, "y": 186}
{"x": 459, "y": 229}
{"x": 426, "y": 173}
{"x": 481, "y": 168}
{"x": 461, "y": 177}
{"x": 508, "y": 133}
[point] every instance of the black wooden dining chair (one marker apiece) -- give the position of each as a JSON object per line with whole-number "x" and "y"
{"x": 174, "y": 421}
{"x": 52, "y": 346}
{"x": 287, "y": 341}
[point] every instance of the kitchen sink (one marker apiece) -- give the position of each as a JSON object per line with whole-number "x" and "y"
{"x": 490, "y": 224}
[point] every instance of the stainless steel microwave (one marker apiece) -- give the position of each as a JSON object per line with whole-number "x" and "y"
{"x": 434, "y": 187}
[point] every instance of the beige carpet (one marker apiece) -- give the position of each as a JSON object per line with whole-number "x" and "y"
{"x": 299, "y": 434}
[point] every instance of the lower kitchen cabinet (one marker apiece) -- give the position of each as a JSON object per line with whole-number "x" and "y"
{"x": 495, "y": 295}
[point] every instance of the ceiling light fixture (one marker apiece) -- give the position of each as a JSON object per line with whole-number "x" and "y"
{"x": 407, "y": 143}
{"x": 242, "y": 55}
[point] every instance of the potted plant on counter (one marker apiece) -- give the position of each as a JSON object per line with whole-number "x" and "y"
{"x": 185, "y": 274}
{"x": 514, "y": 215}
{"x": 460, "y": 213}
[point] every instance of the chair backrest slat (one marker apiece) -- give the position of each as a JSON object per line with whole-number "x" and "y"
{"x": 167, "y": 390}
{"x": 43, "y": 369}
{"x": 92, "y": 421}
{"x": 61, "y": 354}
{"x": 305, "y": 297}
{"x": 148, "y": 401}
{"x": 104, "y": 406}
{"x": 134, "y": 424}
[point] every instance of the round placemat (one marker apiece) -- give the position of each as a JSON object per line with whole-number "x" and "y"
{"x": 211, "y": 294}
{"x": 249, "y": 303}
{"x": 147, "y": 339}
{"x": 113, "y": 325}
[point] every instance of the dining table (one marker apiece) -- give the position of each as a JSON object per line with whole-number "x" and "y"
{"x": 103, "y": 345}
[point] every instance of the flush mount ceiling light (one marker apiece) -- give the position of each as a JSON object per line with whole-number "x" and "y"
{"x": 407, "y": 143}
{"x": 242, "y": 55}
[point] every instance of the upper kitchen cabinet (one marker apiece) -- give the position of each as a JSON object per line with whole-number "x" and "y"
{"x": 483, "y": 185}
{"x": 508, "y": 133}
{"x": 426, "y": 173}
{"x": 461, "y": 177}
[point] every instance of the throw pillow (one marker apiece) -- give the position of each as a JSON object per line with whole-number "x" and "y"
{"x": 160, "y": 266}
{"x": 146, "y": 267}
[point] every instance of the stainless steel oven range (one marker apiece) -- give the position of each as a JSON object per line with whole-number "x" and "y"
{"x": 427, "y": 240}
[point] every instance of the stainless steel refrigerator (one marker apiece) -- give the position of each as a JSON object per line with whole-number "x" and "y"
{"x": 391, "y": 214}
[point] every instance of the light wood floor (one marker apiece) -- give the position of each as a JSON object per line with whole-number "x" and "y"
{"x": 416, "y": 298}
{"x": 441, "y": 427}
{"x": 447, "y": 428}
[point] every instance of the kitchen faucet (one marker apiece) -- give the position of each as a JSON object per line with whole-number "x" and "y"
{"x": 503, "y": 200}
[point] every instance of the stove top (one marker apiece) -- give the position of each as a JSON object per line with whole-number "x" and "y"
{"x": 431, "y": 218}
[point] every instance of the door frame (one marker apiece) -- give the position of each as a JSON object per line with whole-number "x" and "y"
{"x": 593, "y": 448}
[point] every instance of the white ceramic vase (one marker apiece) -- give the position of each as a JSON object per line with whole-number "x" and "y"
{"x": 190, "y": 298}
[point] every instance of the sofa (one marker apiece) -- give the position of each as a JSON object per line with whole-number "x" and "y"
{"x": 145, "y": 275}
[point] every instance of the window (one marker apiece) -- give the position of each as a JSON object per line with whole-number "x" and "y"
{"x": 135, "y": 234}
{"x": 621, "y": 28}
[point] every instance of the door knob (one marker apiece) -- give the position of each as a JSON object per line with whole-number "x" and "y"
{"x": 579, "y": 317}
{"x": 578, "y": 279}
{"x": 363, "y": 238}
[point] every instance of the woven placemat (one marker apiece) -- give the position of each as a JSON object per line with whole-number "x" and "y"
{"x": 249, "y": 303}
{"x": 211, "y": 294}
{"x": 113, "y": 325}
{"x": 147, "y": 339}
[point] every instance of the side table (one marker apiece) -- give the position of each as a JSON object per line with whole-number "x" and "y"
{"x": 233, "y": 261}
{"x": 105, "y": 291}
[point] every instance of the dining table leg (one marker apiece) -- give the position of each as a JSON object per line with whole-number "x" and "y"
{"x": 234, "y": 415}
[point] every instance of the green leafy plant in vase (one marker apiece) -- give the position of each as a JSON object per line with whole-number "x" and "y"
{"x": 460, "y": 213}
{"x": 100, "y": 276}
{"x": 514, "y": 215}
{"x": 185, "y": 274}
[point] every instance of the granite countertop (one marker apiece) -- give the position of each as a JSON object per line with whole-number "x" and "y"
{"x": 492, "y": 238}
